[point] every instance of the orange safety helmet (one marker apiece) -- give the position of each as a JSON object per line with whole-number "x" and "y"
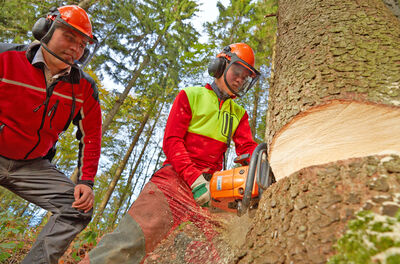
{"x": 243, "y": 51}
{"x": 77, "y": 18}
{"x": 239, "y": 53}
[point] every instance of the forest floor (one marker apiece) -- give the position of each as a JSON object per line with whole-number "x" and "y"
{"x": 186, "y": 244}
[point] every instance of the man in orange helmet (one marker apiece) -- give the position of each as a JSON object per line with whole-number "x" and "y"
{"x": 43, "y": 89}
{"x": 200, "y": 126}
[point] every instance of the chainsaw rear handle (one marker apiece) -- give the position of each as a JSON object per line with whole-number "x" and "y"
{"x": 245, "y": 203}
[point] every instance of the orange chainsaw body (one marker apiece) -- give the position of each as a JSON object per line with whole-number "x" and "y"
{"x": 227, "y": 188}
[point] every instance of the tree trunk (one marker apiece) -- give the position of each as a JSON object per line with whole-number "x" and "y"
{"x": 120, "y": 169}
{"x": 335, "y": 94}
{"x": 158, "y": 159}
{"x": 332, "y": 128}
{"x": 26, "y": 206}
{"x": 254, "y": 116}
{"x": 110, "y": 115}
{"x": 138, "y": 161}
{"x": 86, "y": 4}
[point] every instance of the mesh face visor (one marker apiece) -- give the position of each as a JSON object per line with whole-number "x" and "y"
{"x": 90, "y": 44}
{"x": 243, "y": 71}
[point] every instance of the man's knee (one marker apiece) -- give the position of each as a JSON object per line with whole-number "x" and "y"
{"x": 85, "y": 218}
{"x": 74, "y": 217}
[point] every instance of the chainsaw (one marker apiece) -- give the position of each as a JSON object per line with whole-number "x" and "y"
{"x": 236, "y": 190}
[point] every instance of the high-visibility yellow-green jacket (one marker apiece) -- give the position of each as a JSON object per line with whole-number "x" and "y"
{"x": 197, "y": 130}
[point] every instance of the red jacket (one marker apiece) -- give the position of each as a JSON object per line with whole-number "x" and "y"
{"x": 195, "y": 136}
{"x": 32, "y": 116}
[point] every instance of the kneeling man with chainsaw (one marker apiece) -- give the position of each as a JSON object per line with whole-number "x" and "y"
{"x": 200, "y": 126}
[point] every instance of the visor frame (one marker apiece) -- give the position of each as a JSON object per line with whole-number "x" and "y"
{"x": 233, "y": 58}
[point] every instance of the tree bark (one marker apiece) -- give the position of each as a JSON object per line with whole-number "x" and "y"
{"x": 332, "y": 127}
{"x": 336, "y": 87}
{"x": 301, "y": 216}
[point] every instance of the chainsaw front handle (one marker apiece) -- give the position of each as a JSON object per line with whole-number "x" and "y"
{"x": 265, "y": 177}
{"x": 245, "y": 203}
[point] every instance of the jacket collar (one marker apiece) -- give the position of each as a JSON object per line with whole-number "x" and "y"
{"x": 220, "y": 94}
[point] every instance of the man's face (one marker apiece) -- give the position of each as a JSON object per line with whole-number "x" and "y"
{"x": 67, "y": 44}
{"x": 236, "y": 76}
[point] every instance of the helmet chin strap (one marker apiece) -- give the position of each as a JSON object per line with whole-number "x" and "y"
{"x": 55, "y": 55}
{"x": 227, "y": 85}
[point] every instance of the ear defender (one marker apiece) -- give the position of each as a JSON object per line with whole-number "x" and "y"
{"x": 216, "y": 67}
{"x": 42, "y": 25}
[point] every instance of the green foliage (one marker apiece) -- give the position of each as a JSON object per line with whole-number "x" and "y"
{"x": 370, "y": 238}
{"x": 151, "y": 33}
{"x": 13, "y": 235}
{"x": 18, "y": 16}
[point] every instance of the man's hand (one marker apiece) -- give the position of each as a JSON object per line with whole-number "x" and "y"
{"x": 201, "y": 191}
{"x": 84, "y": 198}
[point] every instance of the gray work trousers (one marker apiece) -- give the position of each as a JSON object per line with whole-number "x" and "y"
{"x": 39, "y": 182}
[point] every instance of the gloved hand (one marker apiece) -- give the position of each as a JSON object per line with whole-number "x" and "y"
{"x": 201, "y": 191}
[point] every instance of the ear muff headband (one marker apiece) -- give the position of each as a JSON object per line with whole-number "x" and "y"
{"x": 40, "y": 28}
{"x": 217, "y": 66}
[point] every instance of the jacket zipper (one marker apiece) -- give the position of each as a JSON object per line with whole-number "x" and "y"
{"x": 221, "y": 102}
{"x": 49, "y": 92}
{"x": 52, "y": 111}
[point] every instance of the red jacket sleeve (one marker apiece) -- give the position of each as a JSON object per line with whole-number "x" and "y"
{"x": 243, "y": 138}
{"x": 174, "y": 143}
{"x": 89, "y": 125}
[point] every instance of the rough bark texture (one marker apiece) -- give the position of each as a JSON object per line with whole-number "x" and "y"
{"x": 328, "y": 50}
{"x": 303, "y": 215}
